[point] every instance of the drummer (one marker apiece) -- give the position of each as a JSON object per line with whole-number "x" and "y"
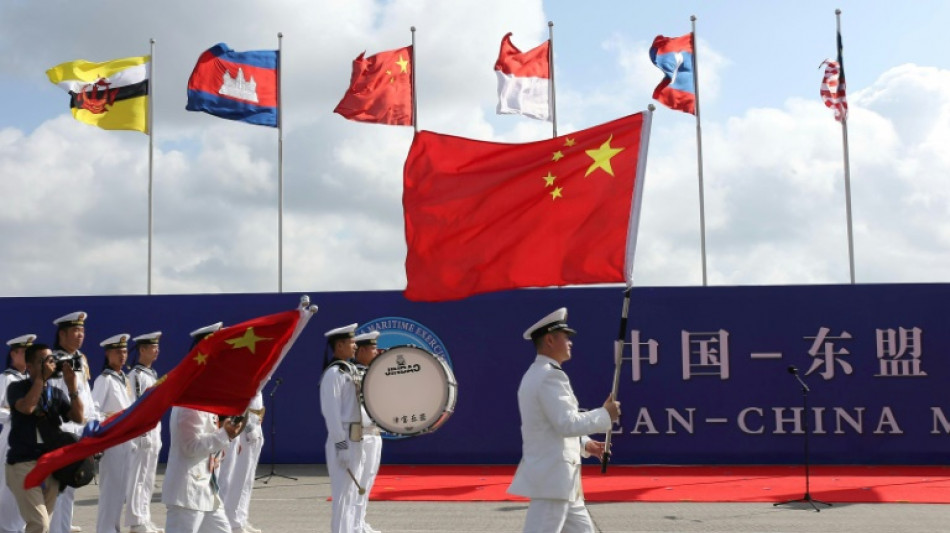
{"x": 372, "y": 443}
{"x": 340, "y": 406}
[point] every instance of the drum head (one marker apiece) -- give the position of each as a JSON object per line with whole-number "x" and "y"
{"x": 407, "y": 390}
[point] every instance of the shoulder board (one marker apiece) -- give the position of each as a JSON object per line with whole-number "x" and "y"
{"x": 344, "y": 366}
{"x": 555, "y": 367}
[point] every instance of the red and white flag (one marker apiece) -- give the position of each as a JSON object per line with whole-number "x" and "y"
{"x": 524, "y": 80}
{"x": 833, "y": 85}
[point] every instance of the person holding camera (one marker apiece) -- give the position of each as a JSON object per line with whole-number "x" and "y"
{"x": 10, "y": 520}
{"x": 112, "y": 392}
{"x": 70, "y": 334}
{"x": 37, "y": 408}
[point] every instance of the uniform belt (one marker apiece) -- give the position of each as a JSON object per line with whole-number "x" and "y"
{"x": 258, "y": 412}
{"x": 370, "y": 430}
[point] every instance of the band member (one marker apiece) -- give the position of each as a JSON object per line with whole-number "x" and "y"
{"x": 339, "y": 403}
{"x": 553, "y": 433}
{"x": 112, "y": 392}
{"x": 190, "y": 488}
{"x": 70, "y": 334}
{"x": 138, "y": 515}
{"x": 38, "y": 406}
{"x": 10, "y": 519}
{"x": 372, "y": 443}
{"x": 239, "y": 466}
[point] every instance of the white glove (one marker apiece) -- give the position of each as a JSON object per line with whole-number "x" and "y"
{"x": 343, "y": 457}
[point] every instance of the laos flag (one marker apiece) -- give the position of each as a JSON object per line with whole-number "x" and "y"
{"x": 235, "y": 85}
{"x": 674, "y": 56}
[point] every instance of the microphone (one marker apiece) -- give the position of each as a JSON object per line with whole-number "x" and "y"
{"x": 792, "y": 370}
{"x": 279, "y": 380}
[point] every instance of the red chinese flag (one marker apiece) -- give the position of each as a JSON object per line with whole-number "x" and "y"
{"x": 483, "y": 216}
{"x": 380, "y": 89}
{"x": 221, "y": 375}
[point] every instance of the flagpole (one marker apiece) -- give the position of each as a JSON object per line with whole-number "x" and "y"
{"x": 847, "y": 158}
{"x": 280, "y": 171}
{"x": 553, "y": 109}
{"x": 151, "y": 134}
{"x": 618, "y": 361}
{"x": 699, "y": 150}
{"x": 412, "y": 60}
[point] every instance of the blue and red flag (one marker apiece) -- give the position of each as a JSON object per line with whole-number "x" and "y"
{"x": 674, "y": 56}
{"x": 235, "y": 85}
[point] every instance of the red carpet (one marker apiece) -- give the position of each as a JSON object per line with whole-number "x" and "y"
{"x": 891, "y": 484}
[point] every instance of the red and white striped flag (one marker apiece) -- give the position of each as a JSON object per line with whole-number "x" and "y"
{"x": 523, "y": 80}
{"x": 833, "y": 85}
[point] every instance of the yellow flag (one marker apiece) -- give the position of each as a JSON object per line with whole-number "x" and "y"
{"x": 112, "y": 95}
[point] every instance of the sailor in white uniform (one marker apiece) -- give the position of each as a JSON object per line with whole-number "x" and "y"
{"x": 10, "y": 519}
{"x": 239, "y": 466}
{"x": 339, "y": 403}
{"x": 112, "y": 392}
{"x": 70, "y": 334}
{"x": 372, "y": 442}
{"x": 553, "y": 433}
{"x": 190, "y": 488}
{"x": 138, "y": 515}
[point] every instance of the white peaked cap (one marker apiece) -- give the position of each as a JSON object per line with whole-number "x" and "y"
{"x": 346, "y": 331}
{"x": 116, "y": 341}
{"x": 207, "y": 330}
{"x": 555, "y": 321}
{"x": 22, "y": 340}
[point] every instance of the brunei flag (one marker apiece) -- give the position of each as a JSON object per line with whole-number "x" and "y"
{"x": 112, "y": 95}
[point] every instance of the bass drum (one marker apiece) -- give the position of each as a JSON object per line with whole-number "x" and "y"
{"x": 409, "y": 391}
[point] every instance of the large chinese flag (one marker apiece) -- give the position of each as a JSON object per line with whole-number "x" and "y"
{"x": 221, "y": 374}
{"x": 484, "y": 216}
{"x": 380, "y": 89}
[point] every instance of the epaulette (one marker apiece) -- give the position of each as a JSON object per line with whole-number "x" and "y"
{"x": 555, "y": 367}
{"x": 344, "y": 366}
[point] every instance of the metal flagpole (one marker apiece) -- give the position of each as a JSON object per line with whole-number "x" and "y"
{"x": 151, "y": 135}
{"x": 847, "y": 159}
{"x": 699, "y": 150}
{"x": 551, "y": 92}
{"x": 618, "y": 360}
{"x": 280, "y": 171}
{"x": 415, "y": 117}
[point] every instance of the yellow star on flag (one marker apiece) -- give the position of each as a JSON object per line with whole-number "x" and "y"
{"x": 201, "y": 358}
{"x": 403, "y": 63}
{"x": 556, "y": 193}
{"x": 569, "y": 142}
{"x": 557, "y": 156}
{"x": 549, "y": 179}
{"x": 249, "y": 340}
{"x": 602, "y": 156}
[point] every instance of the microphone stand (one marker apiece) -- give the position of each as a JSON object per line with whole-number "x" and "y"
{"x": 807, "y": 497}
{"x": 273, "y": 433}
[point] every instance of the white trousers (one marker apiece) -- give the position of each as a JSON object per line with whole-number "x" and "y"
{"x": 62, "y": 519}
{"x": 113, "y": 487}
{"x": 10, "y": 519}
{"x": 558, "y": 516}
{"x": 372, "y": 452}
{"x": 241, "y": 465}
{"x": 342, "y": 489}
{"x": 181, "y": 520}
{"x": 142, "y": 481}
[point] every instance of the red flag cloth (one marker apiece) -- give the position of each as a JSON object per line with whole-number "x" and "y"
{"x": 485, "y": 216}
{"x": 833, "y": 87}
{"x": 380, "y": 89}
{"x": 221, "y": 375}
{"x": 524, "y": 80}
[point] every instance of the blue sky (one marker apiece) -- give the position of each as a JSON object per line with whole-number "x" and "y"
{"x": 774, "y": 187}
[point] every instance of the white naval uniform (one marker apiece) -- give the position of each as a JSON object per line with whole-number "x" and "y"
{"x": 341, "y": 407}
{"x": 372, "y": 453}
{"x": 144, "y": 456}
{"x": 553, "y": 432}
{"x": 112, "y": 392}
{"x": 240, "y": 465}
{"x": 189, "y": 490}
{"x": 10, "y": 519}
{"x": 62, "y": 519}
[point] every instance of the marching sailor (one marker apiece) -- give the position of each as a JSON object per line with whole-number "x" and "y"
{"x": 553, "y": 433}
{"x": 239, "y": 466}
{"x": 340, "y": 406}
{"x": 372, "y": 443}
{"x": 70, "y": 334}
{"x": 138, "y": 514}
{"x": 10, "y": 519}
{"x": 112, "y": 392}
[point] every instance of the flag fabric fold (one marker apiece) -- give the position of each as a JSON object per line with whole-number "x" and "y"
{"x": 220, "y": 374}
{"x": 235, "y": 85}
{"x": 674, "y": 56}
{"x": 524, "y": 80}
{"x": 380, "y": 90}
{"x": 484, "y": 216}
{"x": 112, "y": 95}
{"x": 833, "y": 89}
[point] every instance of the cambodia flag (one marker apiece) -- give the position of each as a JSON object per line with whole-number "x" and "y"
{"x": 235, "y": 85}
{"x": 674, "y": 56}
